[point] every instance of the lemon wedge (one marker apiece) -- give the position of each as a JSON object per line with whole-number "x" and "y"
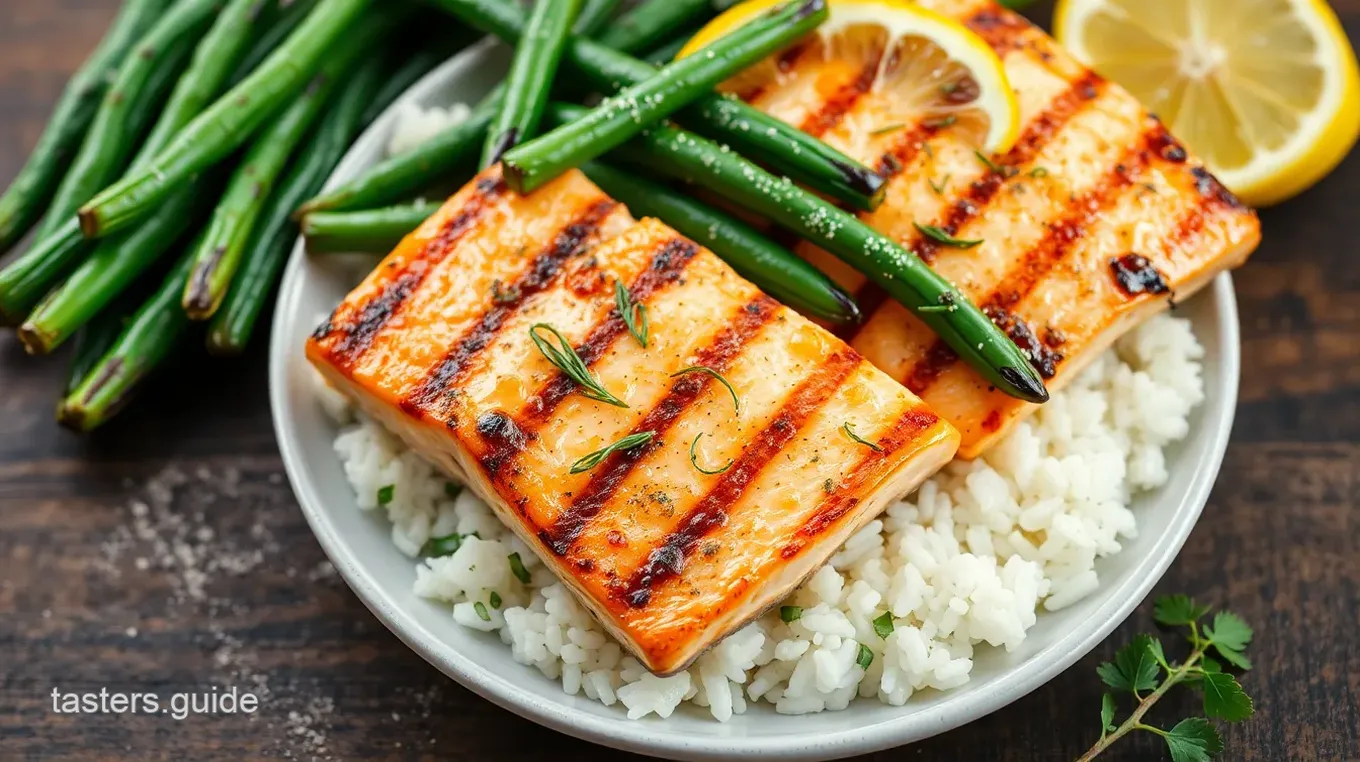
{"x": 1265, "y": 91}
{"x": 930, "y": 68}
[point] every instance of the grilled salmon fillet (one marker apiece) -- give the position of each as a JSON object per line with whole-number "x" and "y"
{"x": 436, "y": 344}
{"x": 1094, "y": 220}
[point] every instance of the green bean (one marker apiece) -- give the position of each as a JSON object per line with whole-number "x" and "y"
{"x": 280, "y": 26}
{"x": 32, "y": 189}
{"x": 653, "y": 22}
{"x": 531, "y": 77}
{"x": 593, "y": 17}
{"x": 24, "y": 282}
{"x": 141, "y": 83}
{"x": 668, "y": 51}
{"x": 404, "y": 174}
{"x": 227, "y": 123}
{"x": 144, "y": 343}
{"x": 787, "y": 149}
{"x": 101, "y": 278}
{"x": 370, "y": 231}
{"x": 91, "y": 343}
{"x": 273, "y": 237}
{"x": 216, "y": 55}
{"x": 411, "y": 70}
{"x": 770, "y": 266}
{"x": 624, "y": 115}
{"x": 905, "y": 278}
{"x": 223, "y": 245}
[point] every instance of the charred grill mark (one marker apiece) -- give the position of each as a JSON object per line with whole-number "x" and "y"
{"x": 501, "y": 434}
{"x": 833, "y": 109}
{"x": 784, "y": 63}
{"x": 666, "y": 267}
{"x": 358, "y": 331}
{"x": 1136, "y": 275}
{"x": 667, "y": 559}
{"x": 1038, "y": 262}
{"x": 605, "y": 479}
{"x": 904, "y": 150}
{"x": 867, "y": 471}
{"x": 1212, "y": 190}
{"x": 1043, "y": 359}
{"x": 1003, "y": 30}
{"x": 570, "y": 241}
{"x": 1037, "y": 134}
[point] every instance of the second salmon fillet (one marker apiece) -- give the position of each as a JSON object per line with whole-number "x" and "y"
{"x": 1095, "y": 219}
{"x": 738, "y": 495}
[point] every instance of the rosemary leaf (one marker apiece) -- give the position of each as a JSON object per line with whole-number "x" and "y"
{"x": 596, "y": 458}
{"x": 705, "y": 369}
{"x": 634, "y": 315}
{"x": 941, "y": 235}
{"x": 570, "y": 363}
{"x": 694, "y": 458}
{"x": 849, "y": 429}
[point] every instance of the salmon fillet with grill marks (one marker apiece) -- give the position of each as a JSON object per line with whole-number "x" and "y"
{"x": 435, "y": 343}
{"x": 1119, "y": 221}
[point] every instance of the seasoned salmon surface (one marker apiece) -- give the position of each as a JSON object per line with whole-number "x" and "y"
{"x": 436, "y": 344}
{"x": 1094, "y": 220}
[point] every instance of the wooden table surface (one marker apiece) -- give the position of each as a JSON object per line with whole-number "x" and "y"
{"x": 101, "y": 585}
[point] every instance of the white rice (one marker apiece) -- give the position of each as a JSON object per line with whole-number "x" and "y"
{"x": 967, "y": 560}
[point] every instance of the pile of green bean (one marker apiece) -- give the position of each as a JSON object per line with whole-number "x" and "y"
{"x": 247, "y": 105}
{"x": 160, "y": 195}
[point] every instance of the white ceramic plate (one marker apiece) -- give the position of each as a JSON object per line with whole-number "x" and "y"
{"x": 357, "y": 541}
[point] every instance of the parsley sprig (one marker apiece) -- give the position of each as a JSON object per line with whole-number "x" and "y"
{"x": 1142, "y": 669}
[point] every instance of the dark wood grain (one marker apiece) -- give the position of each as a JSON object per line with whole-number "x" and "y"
{"x": 1279, "y": 541}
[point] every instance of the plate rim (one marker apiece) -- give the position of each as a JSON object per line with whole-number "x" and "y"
{"x": 1220, "y": 406}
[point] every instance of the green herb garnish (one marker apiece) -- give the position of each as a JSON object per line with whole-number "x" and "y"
{"x": 517, "y": 568}
{"x": 940, "y": 235}
{"x": 1142, "y": 669}
{"x": 501, "y": 295}
{"x": 386, "y": 493}
{"x": 887, "y": 128}
{"x": 495, "y": 599}
{"x": 789, "y": 614}
{"x": 849, "y": 429}
{"x": 694, "y": 458}
{"x": 627, "y": 443}
{"x": 482, "y": 613}
{"x": 941, "y": 122}
{"x": 942, "y": 187}
{"x": 705, "y": 369}
{"x": 443, "y": 546}
{"x": 570, "y": 363}
{"x": 1038, "y": 172}
{"x": 999, "y": 169}
{"x": 634, "y": 315}
{"x": 865, "y": 657}
{"x": 883, "y": 625}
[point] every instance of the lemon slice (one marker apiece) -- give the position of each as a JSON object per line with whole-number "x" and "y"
{"x": 1266, "y": 91}
{"x": 930, "y": 68}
